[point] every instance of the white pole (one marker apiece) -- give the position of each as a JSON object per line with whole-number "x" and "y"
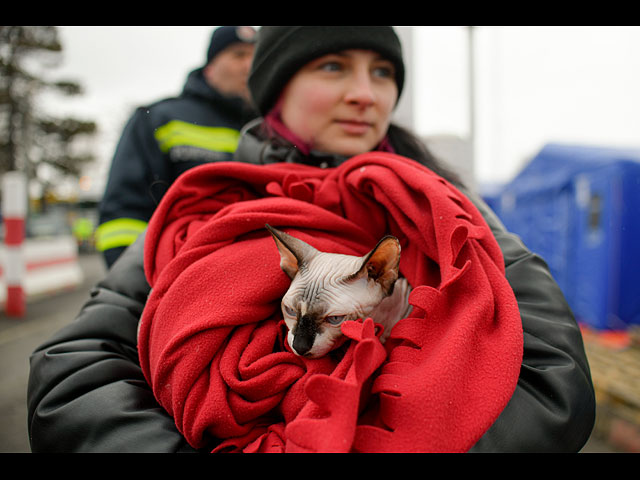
{"x": 14, "y": 212}
{"x": 403, "y": 113}
{"x": 472, "y": 94}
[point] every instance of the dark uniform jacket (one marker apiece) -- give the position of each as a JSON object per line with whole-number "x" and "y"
{"x": 87, "y": 393}
{"x": 159, "y": 142}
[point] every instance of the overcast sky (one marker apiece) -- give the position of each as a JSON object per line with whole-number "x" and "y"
{"x": 533, "y": 85}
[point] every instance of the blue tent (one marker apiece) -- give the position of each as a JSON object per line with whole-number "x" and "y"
{"x": 579, "y": 208}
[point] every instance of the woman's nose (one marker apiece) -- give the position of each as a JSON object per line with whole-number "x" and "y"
{"x": 360, "y": 90}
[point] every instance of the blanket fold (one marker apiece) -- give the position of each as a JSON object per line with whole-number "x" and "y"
{"x": 212, "y": 343}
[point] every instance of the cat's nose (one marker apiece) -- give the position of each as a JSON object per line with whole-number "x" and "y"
{"x": 302, "y": 344}
{"x": 304, "y": 334}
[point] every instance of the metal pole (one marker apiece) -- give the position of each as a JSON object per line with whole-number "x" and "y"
{"x": 472, "y": 101}
{"x": 403, "y": 113}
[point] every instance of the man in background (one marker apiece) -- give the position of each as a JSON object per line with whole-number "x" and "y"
{"x": 162, "y": 140}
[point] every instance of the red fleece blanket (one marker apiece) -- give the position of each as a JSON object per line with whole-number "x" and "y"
{"x": 212, "y": 342}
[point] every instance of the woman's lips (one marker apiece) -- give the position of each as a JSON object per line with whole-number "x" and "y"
{"x": 354, "y": 127}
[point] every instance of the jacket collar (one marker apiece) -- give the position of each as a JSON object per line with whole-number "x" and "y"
{"x": 256, "y": 148}
{"x": 197, "y": 86}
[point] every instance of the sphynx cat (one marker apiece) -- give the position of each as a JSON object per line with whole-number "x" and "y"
{"x": 328, "y": 289}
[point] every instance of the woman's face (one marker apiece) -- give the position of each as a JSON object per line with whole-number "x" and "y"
{"x": 341, "y": 103}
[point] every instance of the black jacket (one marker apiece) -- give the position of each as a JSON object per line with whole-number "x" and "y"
{"x": 159, "y": 142}
{"x": 87, "y": 393}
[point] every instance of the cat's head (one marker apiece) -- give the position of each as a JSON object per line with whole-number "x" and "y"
{"x": 329, "y": 288}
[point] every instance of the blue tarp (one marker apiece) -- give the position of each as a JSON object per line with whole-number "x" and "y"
{"x": 579, "y": 208}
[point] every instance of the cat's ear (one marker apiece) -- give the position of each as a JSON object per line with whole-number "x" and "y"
{"x": 293, "y": 251}
{"x": 381, "y": 263}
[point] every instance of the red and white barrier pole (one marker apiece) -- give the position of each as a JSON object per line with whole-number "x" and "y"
{"x": 14, "y": 211}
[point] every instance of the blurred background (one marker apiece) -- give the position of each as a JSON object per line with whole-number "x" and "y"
{"x": 543, "y": 121}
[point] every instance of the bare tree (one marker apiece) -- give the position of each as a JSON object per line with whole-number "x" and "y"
{"x": 30, "y": 138}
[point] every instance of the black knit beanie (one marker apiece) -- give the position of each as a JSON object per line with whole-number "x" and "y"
{"x": 282, "y": 51}
{"x": 222, "y": 37}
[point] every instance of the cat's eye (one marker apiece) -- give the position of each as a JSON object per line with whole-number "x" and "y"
{"x": 289, "y": 311}
{"x": 335, "y": 319}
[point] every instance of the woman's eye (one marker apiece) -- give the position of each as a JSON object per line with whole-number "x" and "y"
{"x": 335, "y": 319}
{"x": 289, "y": 311}
{"x": 330, "y": 67}
{"x": 384, "y": 72}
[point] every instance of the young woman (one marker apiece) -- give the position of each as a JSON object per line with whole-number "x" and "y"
{"x": 326, "y": 94}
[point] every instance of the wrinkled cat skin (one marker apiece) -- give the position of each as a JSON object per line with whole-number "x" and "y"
{"x": 329, "y": 288}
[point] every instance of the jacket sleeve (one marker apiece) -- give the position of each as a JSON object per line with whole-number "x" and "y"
{"x": 138, "y": 177}
{"x": 86, "y": 391}
{"x": 553, "y": 406}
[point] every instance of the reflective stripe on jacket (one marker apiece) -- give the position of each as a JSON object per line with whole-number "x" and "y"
{"x": 177, "y": 133}
{"x": 119, "y": 232}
